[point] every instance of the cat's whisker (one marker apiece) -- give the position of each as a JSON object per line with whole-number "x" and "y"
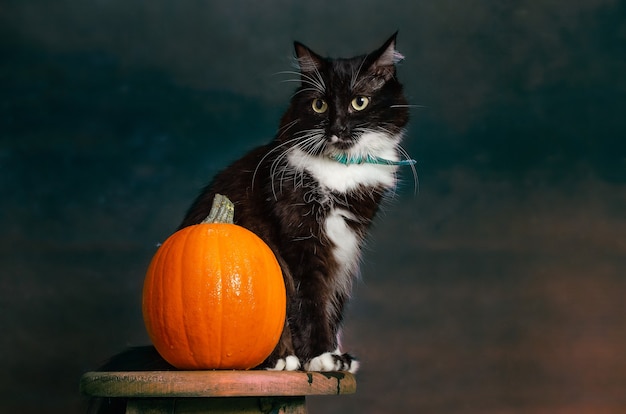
{"x": 274, "y": 173}
{"x": 299, "y": 75}
{"x": 275, "y": 166}
{"x": 315, "y": 86}
{"x": 287, "y": 72}
{"x": 304, "y": 90}
{"x": 416, "y": 181}
{"x": 316, "y": 82}
{"x": 407, "y": 106}
{"x": 312, "y": 143}
{"x": 319, "y": 80}
{"x": 286, "y": 127}
{"x": 355, "y": 75}
{"x": 278, "y": 161}
{"x": 305, "y": 140}
{"x": 286, "y": 143}
{"x": 291, "y": 80}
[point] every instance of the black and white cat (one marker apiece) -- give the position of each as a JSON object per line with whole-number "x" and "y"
{"x": 312, "y": 193}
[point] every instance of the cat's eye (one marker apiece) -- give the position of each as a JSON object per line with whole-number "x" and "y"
{"x": 360, "y": 102}
{"x": 319, "y": 105}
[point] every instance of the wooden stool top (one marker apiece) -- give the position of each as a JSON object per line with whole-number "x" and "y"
{"x": 215, "y": 383}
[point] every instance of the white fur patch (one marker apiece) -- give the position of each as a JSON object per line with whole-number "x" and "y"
{"x": 354, "y": 367}
{"x": 346, "y": 246}
{"x": 328, "y": 362}
{"x": 324, "y": 362}
{"x": 378, "y": 144}
{"x": 290, "y": 363}
{"x": 280, "y": 366}
{"x": 343, "y": 178}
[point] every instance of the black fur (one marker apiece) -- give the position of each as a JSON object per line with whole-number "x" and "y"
{"x": 287, "y": 208}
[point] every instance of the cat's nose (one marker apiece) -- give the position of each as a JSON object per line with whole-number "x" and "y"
{"x": 338, "y": 132}
{"x": 341, "y": 142}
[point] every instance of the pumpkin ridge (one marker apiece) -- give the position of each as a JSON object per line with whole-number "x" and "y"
{"x": 191, "y": 243}
{"x": 250, "y": 270}
{"x": 260, "y": 316}
{"x": 208, "y": 285}
{"x": 156, "y": 272}
{"x": 161, "y": 304}
{"x": 167, "y": 298}
{"x": 236, "y": 310}
{"x": 162, "y": 299}
{"x": 278, "y": 293}
{"x": 207, "y": 243}
{"x": 172, "y": 292}
{"x": 220, "y": 282}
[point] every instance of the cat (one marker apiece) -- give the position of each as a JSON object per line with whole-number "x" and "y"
{"x": 311, "y": 194}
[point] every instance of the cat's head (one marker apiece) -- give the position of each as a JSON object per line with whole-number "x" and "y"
{"x": 351, "y": 108}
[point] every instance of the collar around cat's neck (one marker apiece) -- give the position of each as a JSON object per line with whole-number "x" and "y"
{"x": 368, "y": 159}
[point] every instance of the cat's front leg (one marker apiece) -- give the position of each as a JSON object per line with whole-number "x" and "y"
{"x": 316, "y": 337}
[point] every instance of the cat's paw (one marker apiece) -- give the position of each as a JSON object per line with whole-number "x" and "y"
{"x": 333, "y": 361}
{"x": 289, "y": 363}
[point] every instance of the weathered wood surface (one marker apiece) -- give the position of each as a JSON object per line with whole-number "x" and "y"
{"x": 166, "y": 384}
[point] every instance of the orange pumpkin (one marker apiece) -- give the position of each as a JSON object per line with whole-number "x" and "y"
{"x": 214, "y": 298}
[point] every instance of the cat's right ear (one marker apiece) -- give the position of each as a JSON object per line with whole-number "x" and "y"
{"x": 308, "y": 61}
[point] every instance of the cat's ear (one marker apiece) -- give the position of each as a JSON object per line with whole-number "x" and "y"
{"x": 308, "y": 61}
{"x": 385, "y": 59}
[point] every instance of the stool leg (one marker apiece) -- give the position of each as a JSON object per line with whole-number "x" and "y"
{"x": 283, "y": 405}
{"x": 151, "y": 406}
{"x": 218, "y": 405}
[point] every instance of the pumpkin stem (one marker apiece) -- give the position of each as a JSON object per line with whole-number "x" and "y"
{"x": 222, "y": 211}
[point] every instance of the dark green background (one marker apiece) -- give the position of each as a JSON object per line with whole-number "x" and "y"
{"x": 497, "y": 287}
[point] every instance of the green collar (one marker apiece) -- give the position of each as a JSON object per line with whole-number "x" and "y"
{"x": 345, "y": 160}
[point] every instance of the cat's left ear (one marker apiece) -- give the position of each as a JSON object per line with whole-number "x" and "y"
{"x": 308, "y": 61}
{"x": 386, "y": 58}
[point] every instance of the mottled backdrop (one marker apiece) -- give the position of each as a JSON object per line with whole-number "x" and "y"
{"x": 497, "y": 287}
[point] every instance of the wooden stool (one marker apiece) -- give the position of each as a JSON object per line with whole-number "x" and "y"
{"x": 216, "y": 391}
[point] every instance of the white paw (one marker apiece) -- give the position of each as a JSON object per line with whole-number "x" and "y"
{"x": 332, "y": 361}
{"x": 324, "y": 362}
{"x": 289, "y": 363}
{"x": 353, "y": 366}
{"x": 292, "y": 363}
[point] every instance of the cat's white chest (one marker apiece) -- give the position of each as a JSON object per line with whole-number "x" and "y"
{"x": 341, "y": 178}
{"x": 345, "y": 246}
